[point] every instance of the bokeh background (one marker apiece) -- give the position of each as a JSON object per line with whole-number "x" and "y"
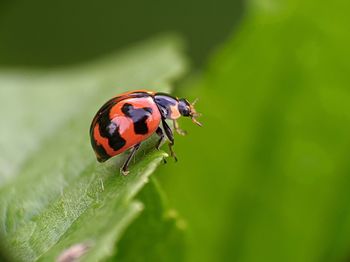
{"x": 56, "y": 33}
{"x": 267, "y": 177}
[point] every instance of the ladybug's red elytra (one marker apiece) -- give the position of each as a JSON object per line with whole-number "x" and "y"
{"x": 126, "y": 120}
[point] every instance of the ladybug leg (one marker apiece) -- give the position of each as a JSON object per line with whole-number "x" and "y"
{"x": 160, "y": 133}
{"x": 170, "y": 136}
{"x": 124, "y": 169}
{"x": 178, "y": 129}
{"x": 172, "y": 153}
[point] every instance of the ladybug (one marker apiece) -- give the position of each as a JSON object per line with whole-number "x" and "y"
{"x": 128, "y": 119}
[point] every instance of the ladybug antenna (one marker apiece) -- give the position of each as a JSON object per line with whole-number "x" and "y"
{"x": 195, "y": 101}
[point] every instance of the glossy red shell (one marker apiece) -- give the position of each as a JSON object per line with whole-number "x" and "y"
{"x": 113, "y": 131}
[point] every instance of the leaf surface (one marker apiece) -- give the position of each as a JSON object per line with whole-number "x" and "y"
{"x": 53, "y": 192}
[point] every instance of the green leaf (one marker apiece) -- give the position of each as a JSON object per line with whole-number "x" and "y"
{"x": 267, "y": 177}
{"x": 157, "y": 234}
{"x": 54, "y": 194}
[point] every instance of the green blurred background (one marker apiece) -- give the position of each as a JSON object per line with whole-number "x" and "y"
{"x": 51, "y": 33}
{"x": 267, "y": 177}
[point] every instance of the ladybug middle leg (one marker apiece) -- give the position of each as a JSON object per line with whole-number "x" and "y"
{"x": 124, "y": 169}
{"x": 170, "y": 136}
{"x": 160, "y": 133}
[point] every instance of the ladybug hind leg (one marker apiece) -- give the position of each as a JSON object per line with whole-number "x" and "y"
{"x": 170, "y": 136}
{"x": 178, "y": 129}
{"x": 124, "y": 169}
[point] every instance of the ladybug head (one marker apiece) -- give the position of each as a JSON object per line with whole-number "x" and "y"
{"x": 187, "y": 109}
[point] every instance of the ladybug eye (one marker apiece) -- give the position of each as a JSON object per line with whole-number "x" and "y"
{"x": 184, "y": 107}
{"x": 187, "y": 109}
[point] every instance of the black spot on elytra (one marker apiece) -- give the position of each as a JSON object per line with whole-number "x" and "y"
{"x": 139, "y": 117}
{"x": 102, "y": 155}
{"x": 106, "y": 107}
{"x": 110, "y": 131}
{"x": 100, "y": 151}
{"x": 115, "y": 140}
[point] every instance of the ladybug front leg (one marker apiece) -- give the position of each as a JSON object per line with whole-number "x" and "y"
{"x": 170, "y": 136}
{"x": 124, "y": 169}
{"x": 178, "y": 129}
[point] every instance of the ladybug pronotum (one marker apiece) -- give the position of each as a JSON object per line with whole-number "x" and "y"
{"x": 126, "y": 120}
